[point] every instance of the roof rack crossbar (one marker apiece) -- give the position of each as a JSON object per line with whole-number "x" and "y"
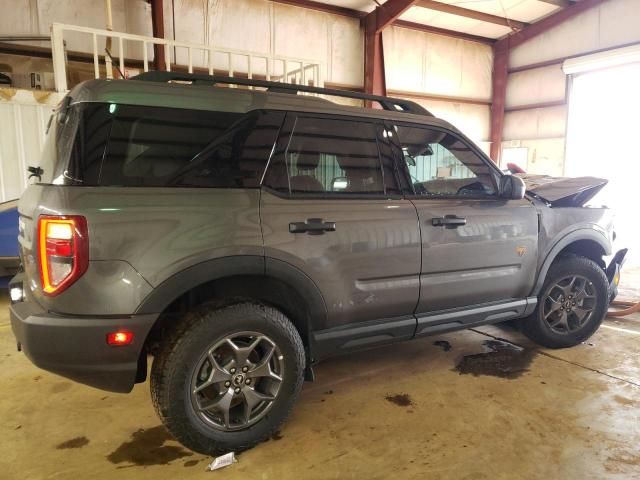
{"x": 387, "y": 103}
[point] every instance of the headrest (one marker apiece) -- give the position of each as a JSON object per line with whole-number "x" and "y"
{"x": 308, "y": 161}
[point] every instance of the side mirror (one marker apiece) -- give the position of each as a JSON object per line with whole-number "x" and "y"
{"x": 512, "y": 187}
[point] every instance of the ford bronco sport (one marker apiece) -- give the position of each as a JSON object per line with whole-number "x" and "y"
{"x": 239, "y": 235}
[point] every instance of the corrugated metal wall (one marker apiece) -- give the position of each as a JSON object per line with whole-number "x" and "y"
{"x": 543, "y": 130}
{"x": 23, "y": 118}
{"x": 443, "y": 66}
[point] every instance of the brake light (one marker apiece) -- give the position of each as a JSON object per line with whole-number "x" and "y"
{"x": 63, "y": 245}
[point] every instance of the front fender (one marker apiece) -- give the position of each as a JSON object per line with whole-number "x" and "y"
{"x": 589, "y": 234}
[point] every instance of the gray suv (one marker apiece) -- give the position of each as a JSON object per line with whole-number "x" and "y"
{"x": 239, "y": 235}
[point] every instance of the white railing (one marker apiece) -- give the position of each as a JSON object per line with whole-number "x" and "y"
{"x": 275, "y": 68}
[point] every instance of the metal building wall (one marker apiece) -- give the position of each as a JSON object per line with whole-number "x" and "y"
{"x": 431, "y": 64}
{"x": 23, "y": 116}
{"x": 542, "y": 130}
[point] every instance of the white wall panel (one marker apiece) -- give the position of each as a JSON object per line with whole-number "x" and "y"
{"x": 610, "y": 24}
{"x": 34, "y": 17}
{"x": 271, "y": 29}
{"x": 17, "y": 18}
{"x": 546, "y": 84}
{"x": 23, "y": 116}
{"x": 423, "y": 62}
{"x": 472, "y": 120}
{"x": 535, "y": 123}
{"x": 545, "y": 156}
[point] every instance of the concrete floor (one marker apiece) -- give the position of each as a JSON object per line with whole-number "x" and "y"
{"x": 404, "y": 411}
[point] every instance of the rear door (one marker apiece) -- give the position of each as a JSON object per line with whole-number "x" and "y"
{"x": 477, "y": 248}
{"x": 331, "y": 207}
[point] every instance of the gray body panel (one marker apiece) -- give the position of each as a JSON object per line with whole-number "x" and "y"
{"x": 138, "y": 238}
{"x": 559, "y": 227}
{"x": 478, "y": 262}
{"x": 368, "y": 268}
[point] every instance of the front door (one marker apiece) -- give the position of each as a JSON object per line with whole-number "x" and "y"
{"x": 331, "y": 207}
{"x": 477, "y": 248}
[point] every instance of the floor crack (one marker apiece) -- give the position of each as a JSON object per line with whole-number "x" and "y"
{"x": 595, "y": 370}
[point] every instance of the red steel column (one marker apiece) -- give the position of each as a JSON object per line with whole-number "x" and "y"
{"x": 498, "y": 96}
{"x": 157, "y": 25}
{"x": 374, "y": 77}
{"x": 374, "y": 23}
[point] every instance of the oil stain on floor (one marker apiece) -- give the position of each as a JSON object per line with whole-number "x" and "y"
{"x": 77, "y": 442}
{"x": 504, "y": 360}
{"x": 400, "y": 399}
{"x": 147, "y": 447}
{"x": 446, "y": 346}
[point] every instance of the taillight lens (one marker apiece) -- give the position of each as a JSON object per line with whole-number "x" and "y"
{"x": 64, "y": 251}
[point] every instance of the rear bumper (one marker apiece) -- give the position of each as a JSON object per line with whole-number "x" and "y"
{"x": 76, "y": 347}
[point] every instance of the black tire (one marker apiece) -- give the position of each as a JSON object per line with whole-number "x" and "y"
{"x": 174, "y": 368}
{"x": 540, "y": 330}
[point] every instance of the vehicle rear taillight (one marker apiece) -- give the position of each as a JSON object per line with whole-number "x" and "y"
{"x": 63, "y": 246}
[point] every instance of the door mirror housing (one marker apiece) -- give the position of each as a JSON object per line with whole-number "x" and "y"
{"x": 512, "y": 187}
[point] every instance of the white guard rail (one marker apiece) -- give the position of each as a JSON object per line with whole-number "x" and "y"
{"x": 274, "y": 68}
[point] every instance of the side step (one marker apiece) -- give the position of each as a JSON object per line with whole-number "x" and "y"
{"x": 443, "y": 322}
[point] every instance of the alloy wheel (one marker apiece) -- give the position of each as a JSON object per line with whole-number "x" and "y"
{"x": 236, "y": 381}
{"x": 569, "y": 304}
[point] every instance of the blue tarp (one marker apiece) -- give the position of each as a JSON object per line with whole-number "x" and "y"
{"x": 8, "y": 233}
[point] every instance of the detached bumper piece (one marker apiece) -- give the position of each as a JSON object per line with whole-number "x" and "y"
{"x": 613, "y": 272}
{"x": 76, "y": 347}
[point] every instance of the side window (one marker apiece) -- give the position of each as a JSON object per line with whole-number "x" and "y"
{"x": 148, "y": 146}
{"x": 85, "y": 159}
{"x": 439, "y": 164}
{"x": 237, "y": 158}
{"x": 329, "y": 156}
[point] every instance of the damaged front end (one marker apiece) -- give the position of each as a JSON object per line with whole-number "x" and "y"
{"x": 559, "y": 192}
{"x": 613, "y": 272}
{"x": 563, "y": 191}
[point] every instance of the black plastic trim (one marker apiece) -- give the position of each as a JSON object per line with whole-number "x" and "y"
{"x": 181, "y": 282}
{"x": 387, "y": 103}
{"x": 305, "y": 287}
{"x": 350, "y": 337}
{"x": 574, "y": 236}
{"x": 459, "y": 319}
{"x": 76, "y": 348}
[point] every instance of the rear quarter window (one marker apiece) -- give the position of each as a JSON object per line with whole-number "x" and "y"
{"x": 137, "y": 146}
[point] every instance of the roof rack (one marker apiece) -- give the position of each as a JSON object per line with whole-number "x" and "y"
{"x": 387, "y": 103}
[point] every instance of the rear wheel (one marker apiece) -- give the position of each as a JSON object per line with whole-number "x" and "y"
{"x": 571, "y": 306}
{"x": 228, "y": 378}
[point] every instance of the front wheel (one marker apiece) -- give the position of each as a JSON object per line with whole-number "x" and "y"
{"x": 227, "y": 378}
{"x": 571, "y": 306}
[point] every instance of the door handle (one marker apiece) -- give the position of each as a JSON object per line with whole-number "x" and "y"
{"x": 448, "y": 221}
{"x": 312, "y": 226}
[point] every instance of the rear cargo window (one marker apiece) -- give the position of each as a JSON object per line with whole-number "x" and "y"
{"x": 126, "y": 145}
